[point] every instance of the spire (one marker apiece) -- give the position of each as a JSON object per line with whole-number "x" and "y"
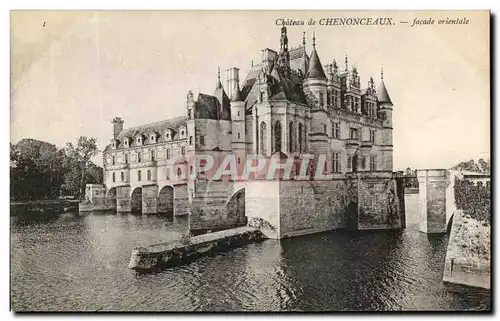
{"x": 304, "y": 38}
{"x": 218, "y": 84}
{"x": 315, "y": 70}
{"x": 346, "y": 63}
{"x": 381, "y": 73}
{"x": 382, "y": 94}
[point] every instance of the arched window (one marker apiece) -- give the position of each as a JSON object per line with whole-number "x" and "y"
{"x": 301, "y": 137}
{"x": 190, "y": 140}
{"x": 305, "y": 137}
{"x": 324, "y": 129}
{"x": 277, "y": 136}
{"x": 138, "y": 175}
{"x": 179, "y": 173}
{"x": 291, "y": 136}
{"x": 113, "y": 177}
{"x": 149, "y": 175}
{"x": 122, "y": 176}
{"x": 139, "y": 157}
{"x": 126, "y": 159}
{"x": 263, "y": 136}
{"x": 152, "y": 155}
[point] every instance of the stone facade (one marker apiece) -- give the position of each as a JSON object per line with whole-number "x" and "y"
{"x": 289, "y": 104}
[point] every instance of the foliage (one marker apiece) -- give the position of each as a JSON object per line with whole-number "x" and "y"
{"x": 474, "y": 199}
{"x": 410, "y": 178}
{"x": 482, "y": 166}
{"x": 38, "y": 170}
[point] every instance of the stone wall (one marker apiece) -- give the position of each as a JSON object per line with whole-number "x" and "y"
{"x": 411, "y": 207}
{"x": 379, "y": 205}
{"x": 123, "y": 199}
{"x": 309, "y": 207}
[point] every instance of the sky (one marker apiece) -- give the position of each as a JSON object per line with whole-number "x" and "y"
{"x": 72, "y": 72}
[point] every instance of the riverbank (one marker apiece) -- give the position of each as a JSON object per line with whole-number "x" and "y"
{"x": 42, "y": 206}
{"x": 468, "y": 256}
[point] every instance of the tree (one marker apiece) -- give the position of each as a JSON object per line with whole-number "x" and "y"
{"x": 35, "y": 170}
{"x": 77, "y": 162}
{"x": 484, "y": 165}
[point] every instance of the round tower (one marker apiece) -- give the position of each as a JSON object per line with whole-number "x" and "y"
{"x": 385, "y": 114}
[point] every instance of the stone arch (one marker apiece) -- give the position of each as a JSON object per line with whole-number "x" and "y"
{"x": 166, "y": 200}
{"x": 277, "y": 136}
{"x": 111, "y": 198}
{"x": 136, "y": 200}
{"x": 235, "y": 208}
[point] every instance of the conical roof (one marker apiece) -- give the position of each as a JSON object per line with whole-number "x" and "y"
{"x": 382, "y": 94}
{"x": 315, "y": 70}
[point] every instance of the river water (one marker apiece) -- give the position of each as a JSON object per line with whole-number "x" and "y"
{"x": 78, "y": 262}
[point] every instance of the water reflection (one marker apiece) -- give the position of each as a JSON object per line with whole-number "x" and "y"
{"x": 79, "y": 262}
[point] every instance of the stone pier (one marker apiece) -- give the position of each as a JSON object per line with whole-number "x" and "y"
{"x": 432, "y": 200}
{"x": 123, "y": 199}
{"x": 149, "y": 199}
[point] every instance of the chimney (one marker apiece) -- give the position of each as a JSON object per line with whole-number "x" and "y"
{"x": 232, "y": 81}
{"x": 117, "y": 126}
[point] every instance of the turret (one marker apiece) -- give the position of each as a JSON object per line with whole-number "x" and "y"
{"x": 385, "y": 113}
{"x": 238, "y": 138}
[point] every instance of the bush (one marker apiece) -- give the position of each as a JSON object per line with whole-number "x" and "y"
{"x": 473, "y": 199}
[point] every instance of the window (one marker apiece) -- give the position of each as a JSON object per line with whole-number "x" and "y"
{"x": 239, "y": 160}
{"x": 149, "y": 175}
{"x": 262, "y": 95}
{"x": 183, "y": 150}
{"x": 179, "y": 173}
{"x": 126, "y": 158}
{"x": 353, "y": 133}
{"x": 139, "y": 157}
{"x": 138, "y": 175}
{"x": 152, "y": 138}
{"x": 113, "y": 160}
{"x": 336, "y": 162}
{"x": 114, "y": 144}
{"x": 336, "y": 130}
{"x": 238, "y": 113}
{"x": 291, "y": 136}
{"x": 191, "y": 169}
{"x": 349, "y": 163}
{"x": 324, "y": 129}
{"x": 321, "y": 99}
{"x": 335, "y": 98}
{"x": 122, "y": 176}
{"x": 202, "y": 140}
{"x": 182, "y": 132}
{"x": 263, "y": 138}
{"x": 363, "y": 162}
{"x": 138, "y": 140}
{"x": 126, "y": 142}
{"x": 152, "y": 155}
{"x": 372, "y": 136}
{"x": 238, "y": 135}
{"x": 168, "y": 153}
{"x": 301, "y": 138}
{"x": 113, "y": 177}
{"x": 277, "y": 136}
{"x": 190, "y": 140}
{"x": 167, "y": 135}
{"x": 373, "y": 163}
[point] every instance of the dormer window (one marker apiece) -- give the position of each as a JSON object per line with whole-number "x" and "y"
{"x": 138, "y": 140}
{"x": 126, "y": 142}
{"x": 152, "y": 138}
{"x": 113, "y": 144}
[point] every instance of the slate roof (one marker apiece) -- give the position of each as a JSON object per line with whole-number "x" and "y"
{"x": 382, "y": 94}
{"x": 315, "y": 70}
{"x": 159, "y": 127}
